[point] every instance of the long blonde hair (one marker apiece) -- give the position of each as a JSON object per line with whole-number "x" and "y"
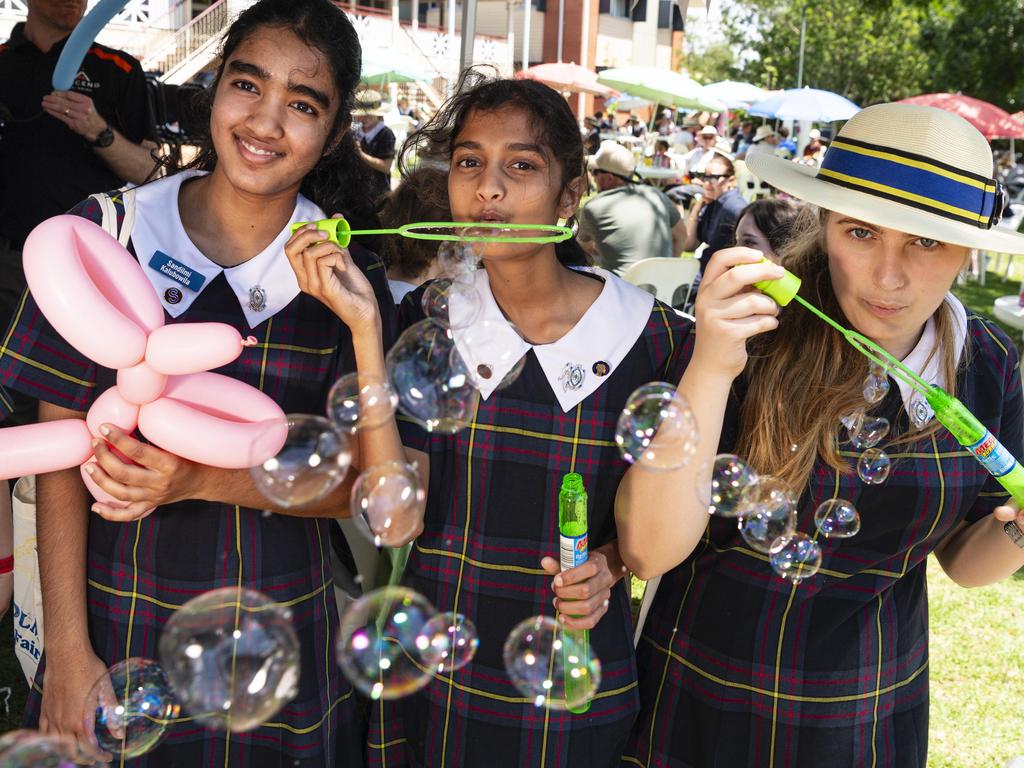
{"x": 803, "y": 378}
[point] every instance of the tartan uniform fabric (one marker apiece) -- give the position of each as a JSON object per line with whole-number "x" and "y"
{"x": 740, "y": 668}
{"x": 492, "y": 514}
{"x": 140, "y": 572}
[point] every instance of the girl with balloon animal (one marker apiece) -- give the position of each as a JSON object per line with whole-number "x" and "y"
{"x": 553, "y": 349}
{"x": 858, "y": 482}
{"x": 278, "y": 146}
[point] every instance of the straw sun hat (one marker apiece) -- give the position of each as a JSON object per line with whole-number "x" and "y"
{"x": 919, "y": 170}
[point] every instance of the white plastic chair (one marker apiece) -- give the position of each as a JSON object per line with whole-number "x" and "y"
{"x": 669, "y": 279}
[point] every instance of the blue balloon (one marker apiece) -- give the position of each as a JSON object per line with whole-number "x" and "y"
{"x": 80, "y": 41}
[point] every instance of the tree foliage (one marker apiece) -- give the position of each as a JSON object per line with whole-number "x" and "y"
{"x": 876, "y": 50}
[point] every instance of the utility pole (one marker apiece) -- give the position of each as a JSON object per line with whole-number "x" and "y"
{"x": 803, "y": 37}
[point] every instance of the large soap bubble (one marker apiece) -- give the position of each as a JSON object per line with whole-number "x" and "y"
{"x": 384, "y": 643}
{"x": 390, "y": 497}
{"x": 656, "y": 428}
{"x": 837, "y": 519}
{"x": 134, "y": 707}
{"x": 795, "y": 557}
{"x": 434, "y": 387}
{"x": 551, "y": 667}
{"x": 767, "y": 511}
{"x": 358, "y": 401}
{"x": 310, "y": 465}
{"x": 722, "y": 482}
{"x": 232, "y": 657}
{"x": 452, "y": 641}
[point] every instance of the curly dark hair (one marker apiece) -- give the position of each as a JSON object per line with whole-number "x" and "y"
{"x": 552, "y": 121}
{"x": 422, "y": 196}
{"x": 339, "y": 180}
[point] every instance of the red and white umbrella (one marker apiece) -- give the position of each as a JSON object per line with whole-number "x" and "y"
{"x": 993, "y": 122}
{"x": 567, "y": 76}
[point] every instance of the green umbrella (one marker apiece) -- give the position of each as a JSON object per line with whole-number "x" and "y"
{"x": 660, "y": 85}
{"x": 384, "y": 74}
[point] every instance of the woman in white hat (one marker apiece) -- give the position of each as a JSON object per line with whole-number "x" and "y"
{"x": 739, "y": 667}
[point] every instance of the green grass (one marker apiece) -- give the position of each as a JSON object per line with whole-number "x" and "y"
{"x": 980, "y": 298}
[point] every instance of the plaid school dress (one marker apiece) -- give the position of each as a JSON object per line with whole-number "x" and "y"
{"x": 492, "y": 514}
{"x": 740, "y": 668}
{"x": 139, "y": 573}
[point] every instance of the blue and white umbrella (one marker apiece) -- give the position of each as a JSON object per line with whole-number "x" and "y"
{"x": 806, "y": 104}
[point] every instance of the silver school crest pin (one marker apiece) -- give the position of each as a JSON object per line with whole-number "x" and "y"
{"x": 257, "y": 299}
{"x": 572, "y": 376}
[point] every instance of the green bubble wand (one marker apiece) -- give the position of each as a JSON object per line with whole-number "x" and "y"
{"x": 340, "y": 232}
{"x": 949, "y": 411}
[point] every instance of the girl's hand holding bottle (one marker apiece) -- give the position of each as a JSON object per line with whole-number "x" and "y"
{"x": 327, "y": 272}
{"x": 582, "y": 594}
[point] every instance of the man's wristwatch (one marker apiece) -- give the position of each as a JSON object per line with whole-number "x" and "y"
{"x": 1015, "y": 533}
{"x": 104, "y": 138}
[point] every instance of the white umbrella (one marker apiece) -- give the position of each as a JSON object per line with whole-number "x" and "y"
{"x": 806, "y": 104}
{"x": 660, "y": 85}
{"x": 735, "y": 95}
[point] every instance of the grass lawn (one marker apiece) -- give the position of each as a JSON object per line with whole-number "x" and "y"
{"x": 980, "y": 298}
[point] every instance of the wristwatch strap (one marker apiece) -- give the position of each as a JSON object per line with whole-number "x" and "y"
{"x": 1015, "y": 533}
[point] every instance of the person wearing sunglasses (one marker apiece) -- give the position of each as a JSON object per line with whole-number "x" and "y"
{"x": 713, "y": 215}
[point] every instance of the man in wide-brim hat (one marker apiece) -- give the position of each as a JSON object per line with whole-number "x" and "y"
{"x": 376, "y": 141}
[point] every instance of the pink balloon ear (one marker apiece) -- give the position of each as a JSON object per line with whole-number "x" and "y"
{"x": 92, "y": 290}
{"x": 112, "y": 408}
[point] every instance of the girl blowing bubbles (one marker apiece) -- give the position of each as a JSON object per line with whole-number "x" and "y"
{"x": 490, "y": 540}
{"x": 738, "y": 666}
{"x": 279, "y": 153}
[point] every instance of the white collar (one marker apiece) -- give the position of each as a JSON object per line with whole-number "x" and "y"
{"x": 926, "y": 360}
{"x": 263, "y": 285}
{"x": 371, "y": 134}
{"x": 578, "y": 363}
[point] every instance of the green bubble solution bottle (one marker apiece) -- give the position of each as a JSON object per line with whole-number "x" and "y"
{"x": 572, "y": 549}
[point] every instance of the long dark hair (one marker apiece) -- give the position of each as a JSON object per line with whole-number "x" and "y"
{"x": 774, "y": 217}
{"x": 550, "y": 117}
{"x": 338, "y": 181}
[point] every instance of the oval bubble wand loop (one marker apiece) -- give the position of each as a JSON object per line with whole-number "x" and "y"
{"x": 963, "y": 425}
{"x": 339, "y": 233}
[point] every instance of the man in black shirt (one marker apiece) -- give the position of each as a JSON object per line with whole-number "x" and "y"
{"x": 376, "y": 141}
{"x": 714, "y": 213}
{"x": 61, "y": 146}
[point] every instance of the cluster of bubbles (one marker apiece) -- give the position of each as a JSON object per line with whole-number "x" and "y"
{"x": 25, "y": 749}
{"x": 657, "y": 429}
{"x": 865, "y": 431}
{"x": 392, "y": 642}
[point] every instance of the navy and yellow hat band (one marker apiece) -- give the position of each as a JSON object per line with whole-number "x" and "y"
{"x": 914, "y": 180}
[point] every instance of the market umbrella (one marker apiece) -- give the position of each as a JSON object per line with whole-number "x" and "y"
{"x": 660, "y": 85}
{"x": 626, "y": 101}
{"x": 993, "y": 122}
{"x": 383, "y": 74}
{"x": 806, "y": 103}
{"x": 567, "y": 76}
{"x": 735, "y": 95}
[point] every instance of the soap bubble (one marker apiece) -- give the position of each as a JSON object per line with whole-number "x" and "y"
{"x": 451, "y": 302}
{"x": 391, "y": 499}
{"x": 656, "y": 428}
{"x": 837, "y": 519}
{"x": 232, "y": 657}
{"x": 721, "y": 483}
{"x": 867, "y": 431}
{"x": 873, "y": 466}
{"x": 552, "y": 667}
{"x": 358, "y": 401}
{"x": 434, "y": 387}
{"x": 311, "y": 464}
{"x": 452, "y": 642}
{"x": 767, "y": 511}
{"x": 30, "y": 749}
{"x": 484, "y": 353}
{"x": 384, "y": 643}
{"x": 795, "y": 557}
{"x": 876, "y": 385}
{"x": 458, "y": 258}
{"x": 134, "y": 706}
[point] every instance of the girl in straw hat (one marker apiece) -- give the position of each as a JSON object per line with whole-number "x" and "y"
{"x": 739, "y": 667}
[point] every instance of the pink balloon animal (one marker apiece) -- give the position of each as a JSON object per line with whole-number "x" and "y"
{"x": 95, "y": 294}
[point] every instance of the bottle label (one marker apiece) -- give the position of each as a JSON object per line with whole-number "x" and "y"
{"x": 572, "y": 551}
{"x": 992, "y": 455}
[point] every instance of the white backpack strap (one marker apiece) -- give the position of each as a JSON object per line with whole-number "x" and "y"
{"x": 109, "y": 222}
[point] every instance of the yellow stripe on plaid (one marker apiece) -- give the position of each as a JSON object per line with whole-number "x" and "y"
{"x": 175, "y": 606}
{"x": 480, "y": 563}
{"x": 787, "y": 696}
{"x": 551, "y": 438}
{"x": 895, "y": 192}
{"x": 985, "y": 186}
{"x": 48, "y": 369}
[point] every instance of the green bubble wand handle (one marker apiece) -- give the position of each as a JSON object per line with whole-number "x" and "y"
{"x": 340, "y": 233}
{"x": 949, "y": 411}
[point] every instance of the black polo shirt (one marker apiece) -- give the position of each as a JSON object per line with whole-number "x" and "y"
{"x": 382, "y": 147}
{"x": 45, "y": 167}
